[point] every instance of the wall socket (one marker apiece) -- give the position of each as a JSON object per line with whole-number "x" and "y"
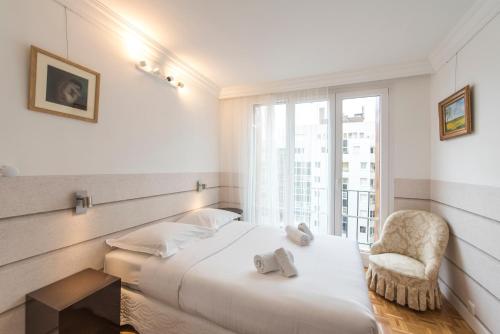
{"x": 471, "y": 307}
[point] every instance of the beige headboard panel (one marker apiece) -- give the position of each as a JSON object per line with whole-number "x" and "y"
{"x": 42, "y": 240}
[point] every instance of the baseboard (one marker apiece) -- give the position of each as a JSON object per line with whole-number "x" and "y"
{"x": 471, "y": 320}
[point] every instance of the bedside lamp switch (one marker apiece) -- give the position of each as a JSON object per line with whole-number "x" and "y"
{"x": 83, "y": 202}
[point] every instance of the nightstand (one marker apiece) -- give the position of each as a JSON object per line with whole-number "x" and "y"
{"x": 235, "y": 210}
{"x": 87, "y": 302}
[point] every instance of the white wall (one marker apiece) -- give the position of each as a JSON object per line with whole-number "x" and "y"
{"x": 144, "y": 125}
{"x": 473, "y": 158}
{"x": 409, "y": 128}
{"x": 465, "y": 187}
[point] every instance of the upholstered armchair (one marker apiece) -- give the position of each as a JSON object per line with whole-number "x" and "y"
{"x": 404, "y": 263}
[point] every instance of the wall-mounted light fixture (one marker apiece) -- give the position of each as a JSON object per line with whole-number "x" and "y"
{"x": 9, "y": 171}
{"x": 200, "y": 186}
{"x": 83, "y": 202}
{"x": 154, "y": 70}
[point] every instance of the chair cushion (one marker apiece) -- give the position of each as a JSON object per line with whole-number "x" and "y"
{"x": 400, "y": 264}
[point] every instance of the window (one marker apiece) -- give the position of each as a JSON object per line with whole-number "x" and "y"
{"x": 345, "y": 148}
{"x": 310, "y": 132}
{"x": 299, "y": 150}
{"x": 360, "y": 118}
{"x": 323, "y": 116}
{"x": 345, "y": 183}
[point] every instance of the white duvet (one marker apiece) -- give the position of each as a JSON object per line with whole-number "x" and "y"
{"x": 216, "y": 279}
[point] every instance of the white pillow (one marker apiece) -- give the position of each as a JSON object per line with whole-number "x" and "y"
{"x": 211, "y": 218}
{"x": 162, "y": 239}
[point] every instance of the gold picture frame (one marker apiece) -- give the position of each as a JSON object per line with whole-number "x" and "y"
{"x": 455, "y": 114}
{"x": 61, "y": 87}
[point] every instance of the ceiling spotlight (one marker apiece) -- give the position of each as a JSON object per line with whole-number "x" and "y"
{"x": 172, "y": 81}
{"x": 180, "y": 85}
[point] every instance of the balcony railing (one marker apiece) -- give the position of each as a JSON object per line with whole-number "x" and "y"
{"x": 358, "y": 216}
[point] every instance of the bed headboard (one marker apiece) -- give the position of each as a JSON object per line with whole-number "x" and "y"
{"x": 42, "y": 240}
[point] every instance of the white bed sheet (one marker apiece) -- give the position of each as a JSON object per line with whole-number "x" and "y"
{"x": 126, "y": 265}
{"x": 215, "y": 279}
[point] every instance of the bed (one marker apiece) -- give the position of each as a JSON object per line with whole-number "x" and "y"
{"x": 212, "y": 287}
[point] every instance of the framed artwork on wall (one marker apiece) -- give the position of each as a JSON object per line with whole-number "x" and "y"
{"x": 63, "y": 88}
{"x": 455, "y": 114}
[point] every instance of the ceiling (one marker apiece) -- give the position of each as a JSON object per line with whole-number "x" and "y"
{"x": 236, "y": 42}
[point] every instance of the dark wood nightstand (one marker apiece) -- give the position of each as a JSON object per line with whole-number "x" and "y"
{"x": 87, "y": 302}
{"x": 235, "y": 210}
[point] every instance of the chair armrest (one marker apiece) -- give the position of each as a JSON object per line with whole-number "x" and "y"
{"x": 377, "y": 248}
{"x": 432, "y": 269}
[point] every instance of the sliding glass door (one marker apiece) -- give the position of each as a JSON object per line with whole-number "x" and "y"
{"x": 359, "y": 172}
{"x": 311, "y": 165}
{"x": 292, "y": 164}
{"x": 320, "y": 165}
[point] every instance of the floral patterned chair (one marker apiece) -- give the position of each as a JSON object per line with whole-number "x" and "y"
{"x": 404, "y": 263}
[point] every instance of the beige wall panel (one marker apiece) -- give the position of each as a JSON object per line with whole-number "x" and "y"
{"x": 480, "y": 266}
{"x": 487, "y": 305}
{"x": 479, "y": 231}
{"x": 473, "y": 322}
{"x": 34, "y": 194}
{"x": 478, "y": 199}
{"x": 412, "y": 188}
{"x": 411, "y": 204}
{"x": 230, "y": 194}
{"x": 49, "y": 231}
{"x": 12, "y": 322}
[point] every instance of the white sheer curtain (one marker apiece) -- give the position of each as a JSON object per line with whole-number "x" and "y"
{"x": 258, "y": 153}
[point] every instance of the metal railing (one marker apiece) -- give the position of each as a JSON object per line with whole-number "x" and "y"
{"x": 356, "y": 211}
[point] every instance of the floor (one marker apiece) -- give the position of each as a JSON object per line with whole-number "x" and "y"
{"x": 127, "y": 330}
{"x": 396, "y": 319}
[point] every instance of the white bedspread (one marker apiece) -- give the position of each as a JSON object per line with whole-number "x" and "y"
{"x": 216, "y": 279}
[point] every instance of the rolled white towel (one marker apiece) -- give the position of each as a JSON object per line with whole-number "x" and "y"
{"x": 304, "y": 228}
{"x": 297, "y": 236}
{"x": 267, "y": 262}
{"x": 285, "y": 262}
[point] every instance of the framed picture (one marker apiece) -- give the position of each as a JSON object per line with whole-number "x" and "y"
{"x": 63, "y": 88}
{"x": 455, "y": 114}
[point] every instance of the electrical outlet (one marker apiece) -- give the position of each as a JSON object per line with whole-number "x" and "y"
{"x": 472, "y": 307}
